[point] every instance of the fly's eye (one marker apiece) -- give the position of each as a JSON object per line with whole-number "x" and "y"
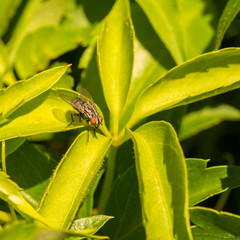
{"x": 93, "y": 121}
{"x": 101, "y": 118}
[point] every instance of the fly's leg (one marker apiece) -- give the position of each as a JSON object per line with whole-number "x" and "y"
{"x": 77, "y": 115}
{"x": 88, "y": 130}
{"x": 72, "y": 114}
{"x": 94, "y": 132}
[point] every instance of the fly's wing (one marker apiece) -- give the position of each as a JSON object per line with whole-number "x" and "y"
{"x": 66, "y": 98}
{"x": 83, "y": 93}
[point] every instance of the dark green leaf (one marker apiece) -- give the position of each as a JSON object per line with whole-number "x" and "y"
{"x": 124, "y": 204}
{"x": 230, "y": 12}
{"x": 213, "y": 225}
{"x": 30, "y": 169}
{"x": 197, "y": 121}
{"x": 205, "y": 182}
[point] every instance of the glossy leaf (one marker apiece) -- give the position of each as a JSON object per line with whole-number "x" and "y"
{"x": 230, "y": 12}
{"x": 115, "y": 57}
{"x": 162, "y": 181}
{"x": 21, "y": 92}
{"x": 205, "y": 118}
{"x": 218, "y": 72}
{"x": 72, "y": 179}
{"x": 213, "y": 225}
{"x": 10, "y": 192}
{"x": 205, "y": 182}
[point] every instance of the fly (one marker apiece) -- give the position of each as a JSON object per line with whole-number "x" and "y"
{"x": 86, "y": 108}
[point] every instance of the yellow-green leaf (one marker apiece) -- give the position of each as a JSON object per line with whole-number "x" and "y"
{"x": 10, "y": 192}
{"x": 72, "y": 179}
{"x": 21, "y": 92}
{"x": 204, "y": 76}
{"x": 162, "y": 177}
{"x": 115, "y": 56}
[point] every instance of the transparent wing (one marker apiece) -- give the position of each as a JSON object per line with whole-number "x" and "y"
{"x": 66, "y": 98}
{"x": 82, "y": 92}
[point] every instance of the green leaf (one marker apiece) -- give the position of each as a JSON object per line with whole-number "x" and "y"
{"x": 144, "y": 73}
{"x": 86, "y": 207}
{"x": 19, "y": 230}
{"x": 92, "y": 82}
{"x": 164, "y": 17}
{"x": 124, "y": 204}
{"x": 35, "y": 15}
{"x": 218, "y": 72}
{"x": 91, "y": 224}
{"x": 205, "y": 182}
{"x": 5, "y": 217}
{"x": 205, "y": 118}
{"x": 213, "y": 225}
{"x": 115, "y": 57}
{"x": 7, "y": 10}
{"x": 230, "y": 12}
{"x": 22, "y": 231}
{"x": 37, "y": 49}
{"x": 6, "y": 74}
{"x": 10, "y": 192}
{"x": 12, "y": 145}
{"x": 162, "y": 177}
{"x": 179, "y": 25}
{"x": 46, "y": 113}
{"x": 30, "y": 169}
{"x": 21, "y": 92}
{"x": 72, "y": 179}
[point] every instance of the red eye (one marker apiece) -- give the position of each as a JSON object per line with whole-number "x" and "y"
{"x": 101, "y": 118}
{"x": 93, "y": 121}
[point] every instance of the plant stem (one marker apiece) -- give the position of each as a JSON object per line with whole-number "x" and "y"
{"x": 4, "y": 168}
{"x": 108, "y": 179}
{"x": 222, "y": 200}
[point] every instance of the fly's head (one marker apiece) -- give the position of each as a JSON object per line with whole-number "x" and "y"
{"x": 96, "y": 121}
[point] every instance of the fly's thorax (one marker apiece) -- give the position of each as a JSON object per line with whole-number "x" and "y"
{"x": 78, "y": 104}
{"x": 89, "y": 110}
